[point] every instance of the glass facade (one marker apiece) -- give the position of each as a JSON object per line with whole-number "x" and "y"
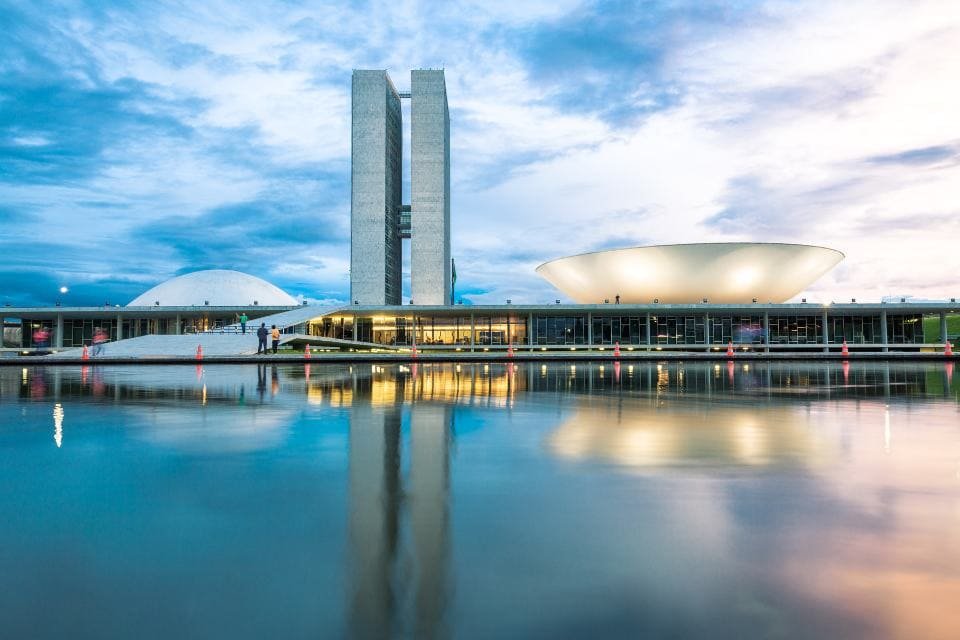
{"x": 336, "y": 327}
{"x": 460, "y": 330}
{"x": 905, "y": 329}
{"x": 855, "y": 329}
{"x": 560, "y": 330}
{"x": 796, "y": 329}
{"x": 429, "y": 330}
{"x": 677, "y": 329}
{"x": 77, "y": 332}
{"x": 622, "y": 329}
{"x": 501, "y": 330}
{"x": 31, "y": 335}
{"x": 737, "y": 329}
{"x": 556, "y": 330}
{"x": 443, "y": 331}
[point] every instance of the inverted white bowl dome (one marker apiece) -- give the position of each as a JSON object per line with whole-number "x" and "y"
{"x": 722, "y": 272}
{"x": 217, "y": 287}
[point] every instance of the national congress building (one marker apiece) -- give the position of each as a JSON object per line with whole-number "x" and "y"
{"x": 685, "y": 297}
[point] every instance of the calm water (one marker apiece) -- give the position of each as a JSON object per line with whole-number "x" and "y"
{"x": 480, "y": 501}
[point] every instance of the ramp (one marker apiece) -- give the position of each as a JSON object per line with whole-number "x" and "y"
{"x": 284, "y": 319}
{"x": 214, "y": 344}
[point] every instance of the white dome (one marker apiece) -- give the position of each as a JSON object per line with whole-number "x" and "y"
{"x": 722, "y": 272}
{"x": 218, "y": 287}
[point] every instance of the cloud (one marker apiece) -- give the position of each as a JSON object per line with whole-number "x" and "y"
{"x": 919, "y": 157}
{"x": 152, "y": 139}
{"x": 753, "y": 208}
{"x": 613, "y": 58}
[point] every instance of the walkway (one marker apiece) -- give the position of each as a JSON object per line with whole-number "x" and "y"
{"x": 214, "y": 344}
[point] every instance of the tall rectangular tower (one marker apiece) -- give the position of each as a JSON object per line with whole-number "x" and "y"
{"x": 430, "y": 188}
{"x": 375, "y": 185}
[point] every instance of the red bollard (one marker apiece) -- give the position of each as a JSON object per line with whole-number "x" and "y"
{"x": 948, "y": 350}
{"x": 730, "y": 349}
{"x": 510, "y": 350}
{"x": 616, "y": 349}
{"x": 844, "y": 351}
{"x": 86, "y": 354}
{"x": 306, "y": 352}
{"x": 199, "y": 352}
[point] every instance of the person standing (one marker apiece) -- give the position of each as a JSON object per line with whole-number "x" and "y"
{"x": 243, "y": 323}
{"x": 40, "y": 337}
{"x": 275, "y": 335}
{"x": 262, "y": 338}
{"x": 99, "y": 337}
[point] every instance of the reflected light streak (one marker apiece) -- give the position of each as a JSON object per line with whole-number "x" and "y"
{"x": 58, "y": 424}
{"x": 314, "y": 395}
{"x": 750, "y": 444}
{"x": 886, "y": 429}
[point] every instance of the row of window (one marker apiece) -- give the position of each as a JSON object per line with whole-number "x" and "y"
{"x": 80, "y": 331}
{"x": 626, "y": 330}
{"x": 503, "y": 330}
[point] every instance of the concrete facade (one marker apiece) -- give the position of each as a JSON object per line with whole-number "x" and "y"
{"x": 375, "y": 202}
{"x": 430, "y": 188}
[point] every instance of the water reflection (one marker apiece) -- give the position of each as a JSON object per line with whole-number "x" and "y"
{"x": 491, "y": 385}
{"x": 58, "y": 424}
{"x": 485, "y": 500}
{"x": 692, "y": 434}
{"x": 374, "y": 517}
{"x": 378, "y": 494}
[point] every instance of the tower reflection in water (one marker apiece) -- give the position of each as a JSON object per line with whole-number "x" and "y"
{"x": 399, "y": 578}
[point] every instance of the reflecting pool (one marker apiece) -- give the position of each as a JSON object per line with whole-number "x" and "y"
{"x": 481, "y": 501}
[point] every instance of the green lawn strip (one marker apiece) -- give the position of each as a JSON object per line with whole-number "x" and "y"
{"x": 931, "y": 328}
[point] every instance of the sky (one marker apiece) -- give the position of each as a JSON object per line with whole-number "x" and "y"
{"x": 143, "y": 140}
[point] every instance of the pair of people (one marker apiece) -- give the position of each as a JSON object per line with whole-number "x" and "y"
{"x": 262, "y": 333}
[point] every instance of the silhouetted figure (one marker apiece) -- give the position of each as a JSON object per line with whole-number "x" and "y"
{"x": 262, "y": 337}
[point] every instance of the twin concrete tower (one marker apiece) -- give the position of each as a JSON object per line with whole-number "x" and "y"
{"x": 379, "y": 220}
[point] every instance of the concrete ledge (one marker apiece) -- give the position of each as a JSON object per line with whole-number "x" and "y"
{"x": 352, "y": 357}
